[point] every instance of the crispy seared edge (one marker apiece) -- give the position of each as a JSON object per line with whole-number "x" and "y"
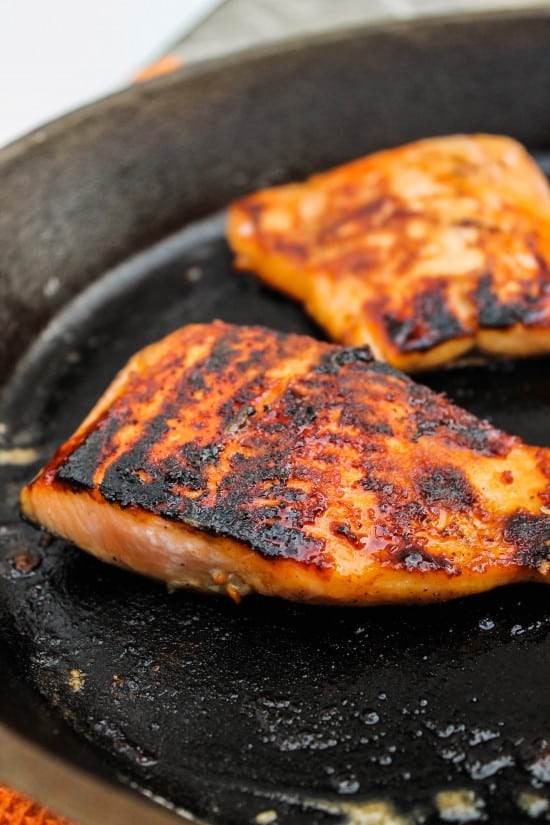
{"x": 222, "y": 565}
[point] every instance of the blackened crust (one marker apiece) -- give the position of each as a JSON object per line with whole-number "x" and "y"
{"x": 530, "y": 535}
{"x": 430, "y": 322}
{"x": 294, "y": 448}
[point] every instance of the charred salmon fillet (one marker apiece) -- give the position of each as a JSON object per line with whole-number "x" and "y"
{"x": 423, "y": 252}
{"x": 238, "y": 459}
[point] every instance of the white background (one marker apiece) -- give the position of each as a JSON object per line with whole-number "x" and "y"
{"x": 57, "y": 54}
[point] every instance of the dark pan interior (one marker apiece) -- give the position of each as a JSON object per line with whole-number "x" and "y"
{"x": 231, "y": 711}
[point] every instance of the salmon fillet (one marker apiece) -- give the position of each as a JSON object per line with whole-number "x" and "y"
{"x": 424, "y": 252}
{"x": 237, "y": 459}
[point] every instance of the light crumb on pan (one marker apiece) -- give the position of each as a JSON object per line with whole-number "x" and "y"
{"x": 355, "y": 812}
{"x": 266, "y": 817}
{"x": 18, "y": 456}
{"x": 459, "y": 805}
{"x": 374, "y": 812}
{"x": 76, "y": 679}
{"x": 193, "y": 274}
{"x": 51, "y": 287}
{"x": 533, "y": 804}
{"x": 26, "y": 562}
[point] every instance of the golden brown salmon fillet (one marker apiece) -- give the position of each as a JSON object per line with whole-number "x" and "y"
{"x": 238, "y": 459}
{"x": 424, "y": 252}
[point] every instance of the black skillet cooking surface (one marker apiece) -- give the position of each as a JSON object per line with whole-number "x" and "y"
{"x": 267, "y": 709}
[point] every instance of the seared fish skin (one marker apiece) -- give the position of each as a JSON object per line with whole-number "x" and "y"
{"x": 238, "y": 459}
{"x": 423, "y": 252}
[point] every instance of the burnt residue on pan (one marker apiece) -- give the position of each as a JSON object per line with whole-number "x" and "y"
{"x": 269, "y": 712}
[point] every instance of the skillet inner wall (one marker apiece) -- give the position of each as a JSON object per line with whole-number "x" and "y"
{"x": 226, "y": 710}
{"x": 81, "y": 195}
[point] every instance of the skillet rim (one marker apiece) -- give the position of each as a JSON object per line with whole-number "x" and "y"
{"x": 54, "y": 132}
{"x": 52, "y": 128}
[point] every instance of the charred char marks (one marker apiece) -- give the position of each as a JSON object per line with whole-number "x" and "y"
{"x": 481, "y": 439}
{"x": 530, "y": 534}
{"x": 433, "y": 415}
{"x": 407, "y": 515}
{"x": 491, "y": 312}
{"x": 134, "y": 480}
{"x": 415, "y": 558}
{"x": 196, "y": 380}
{"x": 234, "y": 412}
{"x": 228, "y": 354}
{"x": 530, "y": 309}
{"x": 340, "y": 528}
{"x": 253, "y": 207}
{"x": 123, "y": 483}
{"x": 299, "y": 413}
{"x": 430, "y": 323}
{"x": 283, "y": 459}
{"x": 175, "y": 473}
{"x": 373, "y": 213}
{"x": 78, "y": 469}
{"x": 381, "y": 368}
{"x": 252, "y": 471}
{"x": 251, "y": 504}
{"x": 198, "y": 456}
{"x": 377, "y": 485}
{"x": 332, "y": 362}
{"x": 237, "y": 511}
{"x": 292, "y": 248}
{"x": 257, "y": 481}
{"x": 259, "y": 529}
{"x": 364, "y": 419}
{"x": 222, "y": 354}
{"x": 447, "y": 486}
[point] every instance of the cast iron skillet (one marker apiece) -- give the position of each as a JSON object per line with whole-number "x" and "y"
{"x": 246, "y": 713}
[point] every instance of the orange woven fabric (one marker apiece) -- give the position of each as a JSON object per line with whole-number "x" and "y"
{"x": 165, "y": 65}
{"x": 18, "y": 810}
